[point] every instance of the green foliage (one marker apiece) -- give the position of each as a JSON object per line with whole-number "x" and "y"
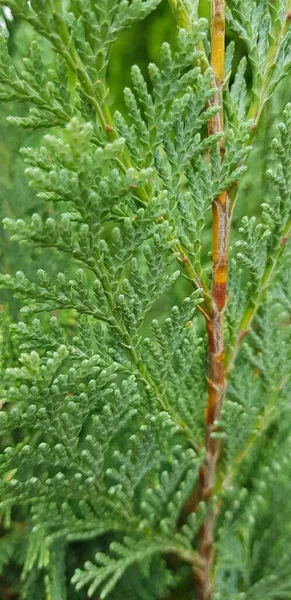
{"x": 103, "y": 392}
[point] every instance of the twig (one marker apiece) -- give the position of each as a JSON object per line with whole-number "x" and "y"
{"x": 221, "y": 216}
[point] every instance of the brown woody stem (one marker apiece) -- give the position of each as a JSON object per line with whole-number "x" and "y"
{"x": 216, "y": 381}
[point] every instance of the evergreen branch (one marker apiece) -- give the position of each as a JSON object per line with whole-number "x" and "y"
{"x": 137, "y": 359}
{"x": 183, "y": 19}
{"x": 260, "y": 99}
{"x": 181, "y": 14}
{"x": 100, "y": 412}
{"x": 255, "y": 112}
{"x": 110, "y": 570}
{"x": 256, "y": 302}
{"x": 163, "y": 400}
{"x": 220, "y": 363}
{"x": 64, "y": 46}
{"x": 263, "y": 422}
{"x": 106, "y": 120}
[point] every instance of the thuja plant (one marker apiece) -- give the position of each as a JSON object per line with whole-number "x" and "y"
{"x": 148, "y": 458}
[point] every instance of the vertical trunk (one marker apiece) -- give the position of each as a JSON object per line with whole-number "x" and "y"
{"x": 216, "y": 379}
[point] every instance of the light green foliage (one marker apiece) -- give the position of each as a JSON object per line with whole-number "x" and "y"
{"x": 267, "y": 42}
{"x": 104, "y": 390}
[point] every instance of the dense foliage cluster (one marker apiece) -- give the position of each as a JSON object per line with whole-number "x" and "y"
{"x": 104, "y": 375}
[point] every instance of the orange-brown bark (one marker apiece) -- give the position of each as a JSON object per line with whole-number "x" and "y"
{"x": 216, "y": 378}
